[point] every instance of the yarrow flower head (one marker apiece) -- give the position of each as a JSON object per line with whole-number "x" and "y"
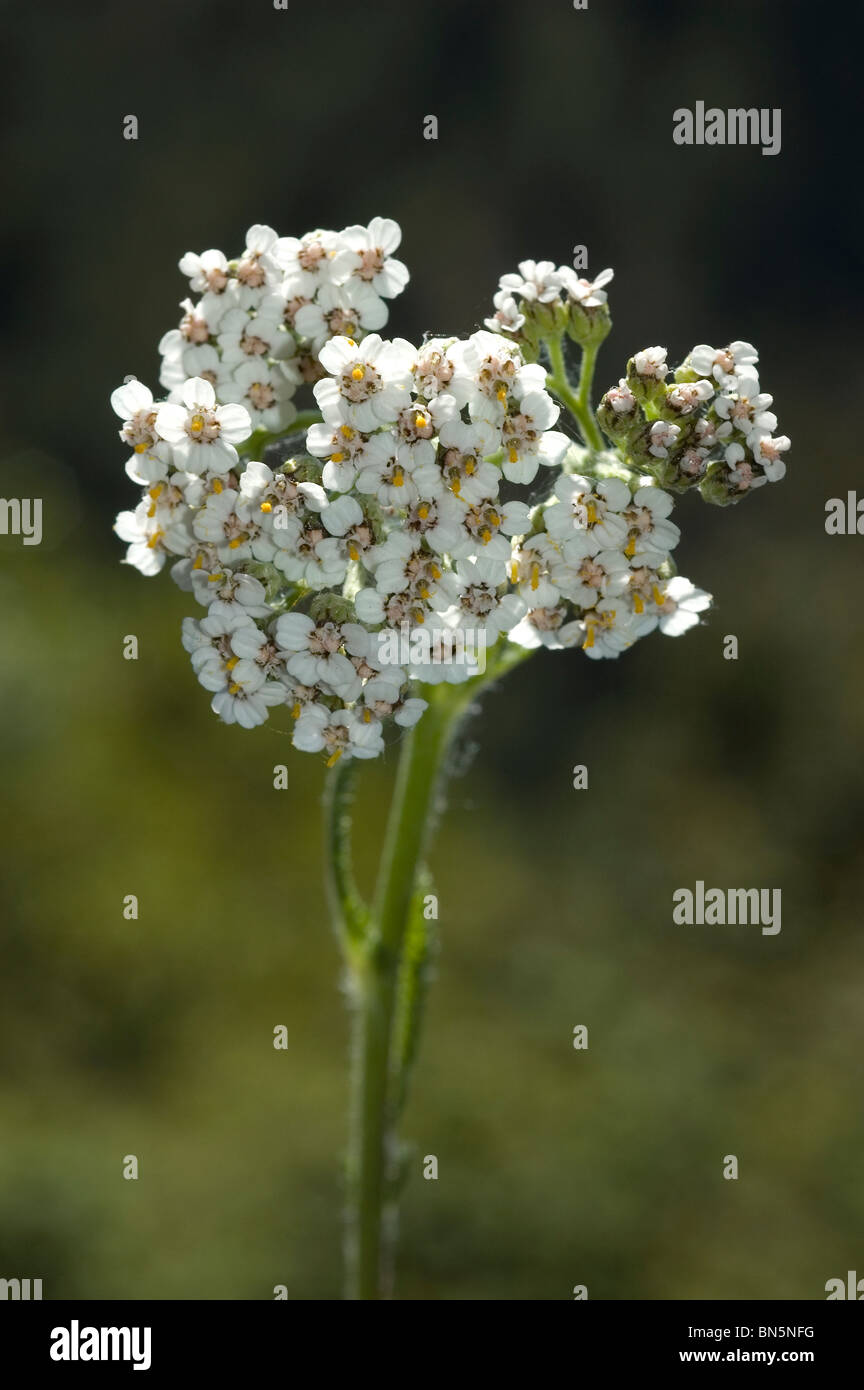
{"x": 431, "y": 502}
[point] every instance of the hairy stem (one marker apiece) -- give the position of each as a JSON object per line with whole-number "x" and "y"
{"x": 375, "y": 979}
{"x": 348, "y": 910}
{"x": 579, "y": 404}
{"x": 386, "y": 985}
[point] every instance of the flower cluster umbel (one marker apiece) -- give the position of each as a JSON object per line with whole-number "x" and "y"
{"x": 431, "y": 496}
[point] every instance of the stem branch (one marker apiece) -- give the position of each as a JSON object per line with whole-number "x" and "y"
{"x": 578, "y": 405}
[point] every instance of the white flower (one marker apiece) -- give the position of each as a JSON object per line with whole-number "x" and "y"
{"x": 722, "y": 364}
{"x": 687, "y": 396}
{"x": 182, "y": 360}
{"x": 366, "y": 255}
{"x": 480, "y": 604}
{"x": 651, "y": 534}
{"x": 220, "y": 589}
{"x": 541, "y": 625}
{"x": 263, "y": 392}
{"x": 488, "y": 525}
{"x": 202, "y": 434}
{"x": 200, "y": 321}
{"x": 243, "y": 335}
{"x": 369, "y": 381}
{"x": 435, "y": 366}
{"x": 251, "y": 644}
{"x": 303, "y": 551}
{"x": 621, "y": 398}
{"x": 133, "y": 402}
{"x": 436, "y": 516}
{"x": 651, "y": 363}
{"x": 709, "y": 432}
{"x": 342, "y": 515}
{"x": 340, "y": 733}
{"x": 402, "y": 566}
{"x": 209, "y": 271}
{"x": 209, "y": 642}
{"x": 382, "y": 697}
{"x": 268, "y": 492}
{"x": 590, "y": 513}
{"x": 257, "y": 268}
{"x": 307, "y": 261}
{"x": 767, "y": 451}
{"x": 416, "y": 427}
{"x": 315, "y": 653}
{"x": 692, "y": 461}
{"x": 347, "y": 451}
{"x": 151, "y": 536}
{"x": 340, "y": 311}
{"x": 662, "y": 435}
{"x": 681, "y": 605}
{"x": 589, "y": 293}
{"x": 249, "y": 696}
{"x": 746, "y": 407}
{"x": 741, "y": 472}
{"x": 532, "y": 559}
{"x": 537, "y": 280}
{"x": 606, "y": 630}
{"x": 487, "y": 367}
{"x": 508, "y": 317}
{"x": 525, "y": 440}
{"x": 386, "y": 476}
{"x": 221, "y": 523}
{"x": 462, "y": 459}
{"x": 587, "y": 578}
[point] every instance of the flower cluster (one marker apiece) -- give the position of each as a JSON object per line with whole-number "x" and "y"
{"x": 542, "y": 299}
{"x": 426, "y": 508}
{"x": 597, "y": 569}
{"x": 710, "y": 427}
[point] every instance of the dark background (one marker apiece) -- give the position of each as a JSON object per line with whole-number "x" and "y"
{"x": 155, "y": 1037}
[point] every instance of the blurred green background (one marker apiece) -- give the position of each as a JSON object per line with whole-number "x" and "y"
{"x": 154, "y": 1037}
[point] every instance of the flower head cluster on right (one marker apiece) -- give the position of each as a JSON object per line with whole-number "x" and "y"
{"x": 597, "y": 568}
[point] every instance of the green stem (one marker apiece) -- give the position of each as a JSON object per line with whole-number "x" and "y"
{"x": 385, "y": 1025}
{"x": 375, "y": 978}
{"x": 586, "y": 376}
{"x": 259, "y": 440}
{"x": 349, "y": 912}
{"x": 578, "y": 405}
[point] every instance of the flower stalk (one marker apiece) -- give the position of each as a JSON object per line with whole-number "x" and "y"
{"x": 386, "y": 954}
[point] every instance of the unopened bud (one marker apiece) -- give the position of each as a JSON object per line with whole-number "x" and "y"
{"x": 588, "y": 327}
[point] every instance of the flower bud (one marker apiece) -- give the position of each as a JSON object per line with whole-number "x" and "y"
{"x": 331, "y": 607}
{"x": 543, "y": 320}
{"x": 588, "y": 326}
{"x": 618, "y": 413}
{"x": 646, "y": 377}
{"x": 718, "y": 488}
